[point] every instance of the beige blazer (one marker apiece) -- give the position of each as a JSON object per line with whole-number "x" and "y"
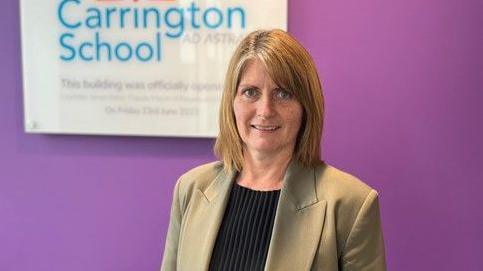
{"x": 326, "y": 220}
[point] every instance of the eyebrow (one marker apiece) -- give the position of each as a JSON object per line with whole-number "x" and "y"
{"x": 245, "y": 85}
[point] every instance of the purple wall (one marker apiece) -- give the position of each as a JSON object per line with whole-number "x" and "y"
{"x": 403, "y": 84}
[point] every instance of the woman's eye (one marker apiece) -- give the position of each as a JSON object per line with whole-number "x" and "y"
{"x": 251, "y": 92}
{"x": 283, "y": 94}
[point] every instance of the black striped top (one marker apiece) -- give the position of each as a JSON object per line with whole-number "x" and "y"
{"x": 245, "y": 232}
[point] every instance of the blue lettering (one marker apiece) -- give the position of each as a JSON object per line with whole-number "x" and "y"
{"x": 148, "y": 48}
{"x": 136, "y": 24}
{"x": 157, "y": 16}
{"x": 123, "y": 15}
{"x": 93, "y": 20}
{"x": 60, "y": 14}
{"x": 109, "y": 12}
{"x": 118, "y": 49}
{"x": 218, "y": 21}
{"x": 179, "y": 24}
{"x": 81, "y": 51}
{"x": 100, "y": 45}
{"x": 193, "y": 9}
{"x": 158, "y": 45}
{"x": 66, "y": 46}
{"x": 241, "y": 11}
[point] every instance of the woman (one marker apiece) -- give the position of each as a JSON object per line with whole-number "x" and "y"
{"x": 271, "y": 203}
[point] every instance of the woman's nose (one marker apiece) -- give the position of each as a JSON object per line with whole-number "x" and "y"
{"x": 265, "y": 107}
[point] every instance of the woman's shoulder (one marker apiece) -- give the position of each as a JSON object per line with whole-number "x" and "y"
{"x": 199, "y": 177}
{"x": 336, "y": 185}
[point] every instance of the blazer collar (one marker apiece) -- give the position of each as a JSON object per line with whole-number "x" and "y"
{"x": 299, "y": 222}
{"x": 298, "y": 183}
{"x": 206, "y": 221}
{"x": 221, "y": 185}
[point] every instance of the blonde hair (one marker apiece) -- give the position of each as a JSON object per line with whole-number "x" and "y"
{"x": 290, "y": 67}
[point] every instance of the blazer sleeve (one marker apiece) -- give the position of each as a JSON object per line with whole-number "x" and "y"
{"x": 172, "y": 238}
{"x": 364, "y": 248}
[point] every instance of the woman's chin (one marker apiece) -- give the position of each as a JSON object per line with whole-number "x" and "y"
{"x": 265, "y": 147}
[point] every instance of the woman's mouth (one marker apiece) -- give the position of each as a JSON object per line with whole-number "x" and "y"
{"x": 265, "y": 128}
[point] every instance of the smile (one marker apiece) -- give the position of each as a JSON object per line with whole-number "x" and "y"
{"x": 265, "y": 128}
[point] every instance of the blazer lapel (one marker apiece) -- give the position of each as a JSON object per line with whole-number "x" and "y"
{"x": 298, "y": 222}
{"x": 204, "y": 222}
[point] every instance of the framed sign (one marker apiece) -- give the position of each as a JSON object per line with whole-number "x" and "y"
{"x": 132, "y": 67}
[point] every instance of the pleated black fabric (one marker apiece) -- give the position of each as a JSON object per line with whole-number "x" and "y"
{"x": 246, "y": 229}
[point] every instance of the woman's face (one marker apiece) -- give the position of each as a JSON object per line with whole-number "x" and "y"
{"x": 268, "y": 117}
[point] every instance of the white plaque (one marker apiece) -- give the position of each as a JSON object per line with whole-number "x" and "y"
{"x": 132, "y": 67}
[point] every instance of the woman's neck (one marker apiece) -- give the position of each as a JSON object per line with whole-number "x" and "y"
{"x": 264, "y": 172}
